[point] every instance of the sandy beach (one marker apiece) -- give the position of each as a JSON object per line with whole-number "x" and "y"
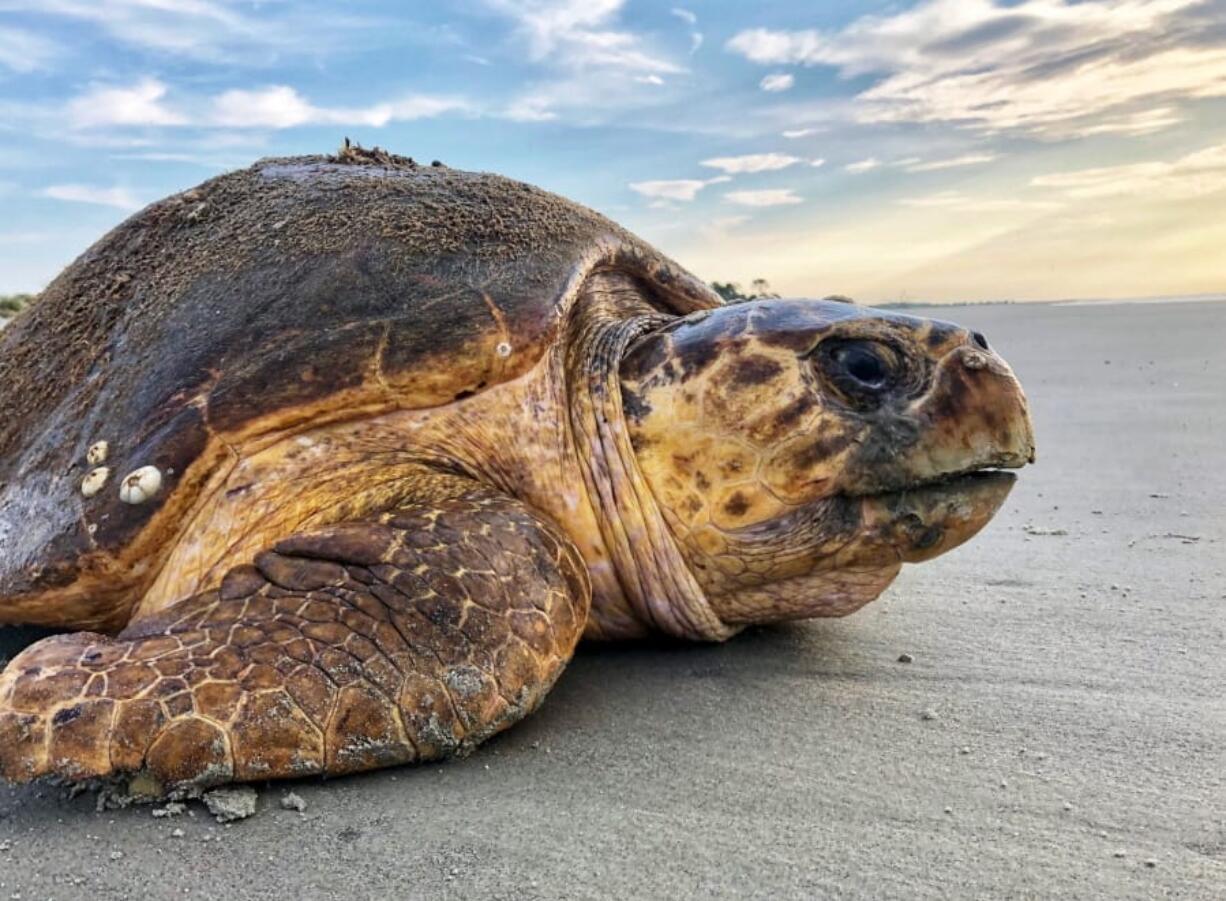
{"x": 1060, "y": 730}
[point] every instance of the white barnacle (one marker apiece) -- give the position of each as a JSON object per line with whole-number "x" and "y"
{"x": 140, "y": 485}
{"x": 94, "y": 480}
{"x": 503, "y": 349}
{"x": 974, "y": 360}
{"x": 96, "y": 455}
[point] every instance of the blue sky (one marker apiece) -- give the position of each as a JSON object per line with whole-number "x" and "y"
{"x": 947, "y": 149}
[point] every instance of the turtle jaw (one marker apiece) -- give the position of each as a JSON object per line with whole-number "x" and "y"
{"x": 928, "y": 519}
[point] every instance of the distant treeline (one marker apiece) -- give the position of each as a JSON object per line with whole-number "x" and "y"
{"x": 732, "y": 292}
{"x": 759, "y": 289}
{"x": 912, "y": 304}
{"x": 12, "y": 304}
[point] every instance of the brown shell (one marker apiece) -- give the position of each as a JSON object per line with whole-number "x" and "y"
{"x": 298, "y": 290}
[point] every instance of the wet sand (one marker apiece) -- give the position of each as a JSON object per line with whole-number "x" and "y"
{"x": 1061, "y": 731}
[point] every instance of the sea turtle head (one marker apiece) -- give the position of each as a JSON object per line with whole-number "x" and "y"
{"x": 801, "y": 451}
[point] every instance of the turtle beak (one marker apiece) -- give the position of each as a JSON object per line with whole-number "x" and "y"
{"x": 974, "y": 417}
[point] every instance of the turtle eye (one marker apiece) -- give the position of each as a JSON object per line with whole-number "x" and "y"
{"x": 863, "y": 372}
{"x": 861, "y": 363}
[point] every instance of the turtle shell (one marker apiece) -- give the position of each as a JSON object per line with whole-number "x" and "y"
{"x": 295, "y": 292}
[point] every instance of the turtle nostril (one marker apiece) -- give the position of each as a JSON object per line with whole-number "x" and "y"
{"x": 980, "y": 340}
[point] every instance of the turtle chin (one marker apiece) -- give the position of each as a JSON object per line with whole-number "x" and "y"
{"x": 844, "y": 551}
{"x": 926, "y": 520}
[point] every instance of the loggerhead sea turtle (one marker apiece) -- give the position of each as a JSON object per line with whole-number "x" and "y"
{"x": 337, "y": 458}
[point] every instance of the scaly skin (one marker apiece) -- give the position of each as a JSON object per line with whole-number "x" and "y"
{"x": 407, "y": 638}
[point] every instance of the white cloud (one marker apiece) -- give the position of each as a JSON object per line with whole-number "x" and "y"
{"x": 717, "y": 230}
{"x": 777, "y": 81}
{"x": 23, "y": 52}
{"x": 577, "y": 34}
{"x": 425, "y": 106}
{"x": 967, "y": 159}
{"x": 1141, "y": 122}
{"x": 1193, "y": 175}
{"x": 120, "y": 198}
{"x": 280, "y": 106}
{"x": 1036, "y": 65}
{"x": 530, "y": 108}
{"x": 817, "y": 163}
{"x": 959, "y": 202}
{"x": 769, "y": 197}
{"x": 866, "y": 165}
{"x": 794, "y": 133}
{"x": 142, "y": 104}
{"x": 768, "y": 47}
{"x": 273, "y": 107}
{"x": 597, "y": 69}
{"x": 678, "y": 189}
{"x": 691, "y": 20}
{"x": 753, "y": 162}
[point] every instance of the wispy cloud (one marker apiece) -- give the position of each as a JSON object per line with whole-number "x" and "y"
{"x": 777, "y": 81}
{"x": 1192, "y": 175}
{"x": 23, "y": 51}
{"x": 752, "y": 162}
{"x": 862, "y": 166}
{"x": 718, "y": 229}
{"x": 1035, "y": 65}
{"x": 956, "y": 200}
{"x": 966, "y": 159}
{"x": 211, "y": 30}
{"x": 764, "y": 198}
{"x": 579, "y": 34}
{"x": 120, "y": 198}
{"x": 678, "y": 189}
{"x": 530, "y": 108}
{"x": 145, "y": 104}
{"x": 1141, "y": 122}
{"x": 280, "y": 106}
{"x": 595, "y": 65}
{"x": 690, "y": 19}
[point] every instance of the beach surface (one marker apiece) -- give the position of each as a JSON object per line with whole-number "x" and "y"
{"x": 1060, "y": 730}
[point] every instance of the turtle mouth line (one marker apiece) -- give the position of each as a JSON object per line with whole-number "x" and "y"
{"x": 927, "y": 518}
{"x": 951, "y": 482}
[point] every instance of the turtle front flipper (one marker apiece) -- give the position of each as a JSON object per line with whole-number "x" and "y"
{"x": 408, "y": 637}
